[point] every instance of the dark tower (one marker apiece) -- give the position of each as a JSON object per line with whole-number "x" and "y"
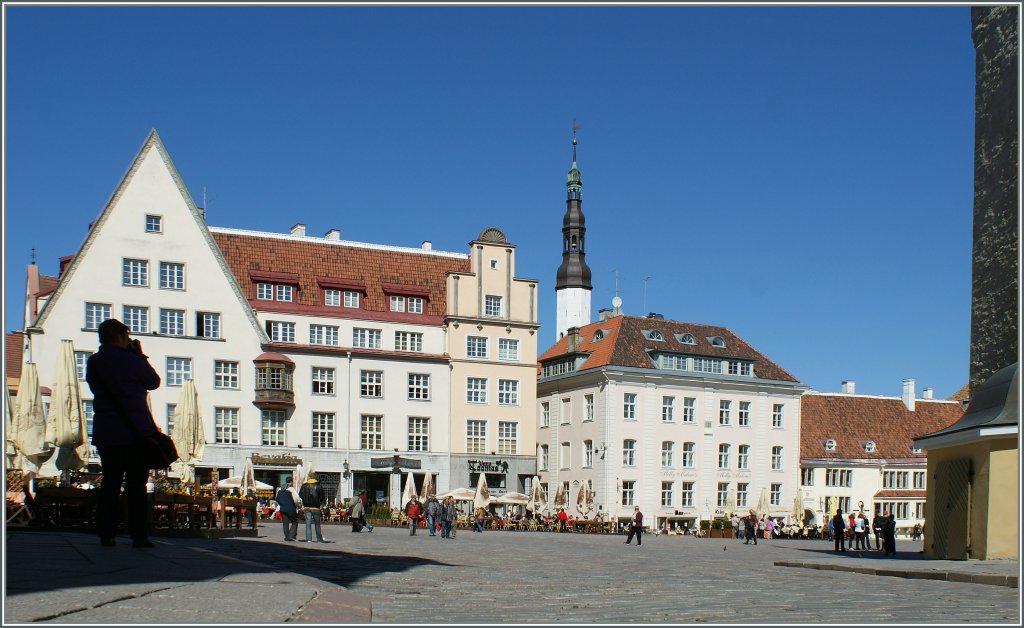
{"x": 573, "y": 272}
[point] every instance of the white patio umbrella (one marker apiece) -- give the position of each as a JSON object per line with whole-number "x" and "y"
{"x": 730, "y": 504}
{"x": 410, "y": 489}
{"x": 482, "y": 497}
{"x": 459, "y": 494}
{"x": 428, "y": 485}
{"x": 235, "y": 481}
{"x": 560, "y": 497}
{"x": 584, "y": 499}
{"x": 762, "y": 504}
{"x": 248, "y": 478}
{"x": 65, "y": 424}
{"x": 10, "y": 449}
{"x": 188, "y": 435}
{"x": 798, "y": 509}
{"x": 512, "y": 498}
{"x": 30, "y": 422}
{"x": 537, "y": 497}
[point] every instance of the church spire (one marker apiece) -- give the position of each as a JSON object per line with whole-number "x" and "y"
{"x": 572, "y": 281}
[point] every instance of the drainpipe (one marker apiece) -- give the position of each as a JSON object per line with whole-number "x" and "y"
{"x": 348, "y": 429}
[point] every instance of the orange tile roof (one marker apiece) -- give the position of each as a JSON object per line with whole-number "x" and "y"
{"x": 14, "y": 345}
{"x": 47, "y": 284}
{"x": 312, "y": 262}
{"x": 963, "y": 393}
{"x": 851, "y": 420}
{"x": 901, "y": 492}
{"x": 624, "y": 344}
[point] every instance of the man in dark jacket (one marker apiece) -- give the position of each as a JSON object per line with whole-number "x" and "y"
{"x": 289, "y": 511}
{"x": 636, "y": 526}
{"x": 312, "y": 496}
{"x": 433, "y": 510}
{"x": 889, "y": 534}
{"x": 876, "y": 527}
{"x": 120, "y": 378}
{"x": 838, "y": 526}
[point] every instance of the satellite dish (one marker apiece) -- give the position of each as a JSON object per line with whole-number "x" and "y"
{"x": 616, "y": 302}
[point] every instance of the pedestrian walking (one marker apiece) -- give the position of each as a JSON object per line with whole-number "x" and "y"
{"x": 563, "y": 520}
{"x": 433, "y": 511}
{"x": 120, "y": 377}
{"x": 769, "y": 528}
{"x": 636, "y": 526}
{"x": 741, "y": 530}
{"x": 312, "y": 496}
{"x": 479, "y": 522}
{"x": 447, "y": 518}
{"x": 838, "y": 531}
{"x": 917, "y": 532}
{"x": 289, "y": 505}
{"x": 889, "y": 532}
{"x": 355, "y": 513}
{"x": 412, "y": 511}
{"x": 752, "y": 528}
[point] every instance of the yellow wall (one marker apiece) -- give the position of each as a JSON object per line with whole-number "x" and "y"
{"x": 995, "y": 497}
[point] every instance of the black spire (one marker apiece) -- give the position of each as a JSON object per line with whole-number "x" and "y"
{"x": 573, "y": 272}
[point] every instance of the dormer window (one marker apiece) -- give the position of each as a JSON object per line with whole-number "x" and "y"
{"x": 686, "y": 339}
{"x": 915, "y": 450}
{"x": 869, "y": 447}
{"x": 273, "y": 286}
{"x": 830, "y": 444}
{"x": 654, "y": 334}
{"x": 405, "y": 297}
{"x": 716, "y": 341}
{"x": 598, "y": 335}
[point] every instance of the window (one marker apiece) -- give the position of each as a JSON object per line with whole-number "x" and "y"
{"x": 724, "y": 412}
{"x": 225, "y": 374}
{"x": 629, "y": 406}
{"x": 775, "y": 495}
{"x": 716, "y": 341}
{"x": 742, "y": 494}
{"x": 545, "y": 414}
{"x": 508, "y": 349}
{"x": 588, "y": 407}
{"x": 134, "y": 272}
{"x": 565, "y": 416}
{"x": 323, "y": 335}
{"x": 668, "y": 450}
{"x": 628, "y": 492}
{"x": 494, "y": 264}
{"x": 370, "y": 436}
{"x": 508, "y": 438}
{"x": 332, "y": 297}
{"x": 365, "y": 338}
{"x": 284, "y": 292}
{"x": 280, "y": 331}
{"x": 744, "y": 417}
{"x": 737, "y": 367}
{"x": 88, "y": 411}
{"x": 830, "y": 445}
{"x": 419, "y": 430}
{"x": 178, "y": 370}
{"x": 869, "y": 447}
{"x": 689, "y": 409}
{"x": 371, "y": 384}
{"x": 397, "y": 304}
{"x": 543, "y": 457}
{"x": 707, "y": 365}
{"x": 96, "y": 313}
{"x": 919, "y": 510}
{"x": 208, "y": 324}
{"x": 588, "y": 454}
{"x": 686, "y": 493}
{"x": 668, "y": 409}
{"x": 476, "y": 436}
{"x": 265, "y": 291}
{"x": 225, "y": 425}
{"x": 723, "y": 456}
{"x": 408, "y": 341}
{"x": 81, "y": 360}
{"x": 666, "y": 494}
{"x": 154, "y": 223}
{"x": 323, "y": 380}
{"x": 919, "y": 479}
{"x": 806, "y": 477}
{"x": 170, "y": 417}
{"x": 743, "y": 457}
{"x": 476, "y": 346}
{"x": 419, "y": 387}
{"x": 895, "y": 479}
{"x": 172, "y": 322}
{"x": 629, "y": 453}
{"x": 172, "y": 276}
{"x": 323, "y": 430}
{"x": 778, "y": 411}
{"x": 272, "y": 428}
{"x": 723, "y": 494}
{"x": 654, "y": 334}
{"x": 273, "y": 378}
{"x": 598, "y": 335}
{"x": 844, "y": 504}
{"x": 838, "y": 477}
{"x": 476, "y": 390}
{"x": 688, "y": 453}
{"x": 508, "y": 392}
{"x": 136, "y": 317}
{"x": 415, "y": 305}
{"x": 776, "y": 458}
{"x": 492, "y": 305}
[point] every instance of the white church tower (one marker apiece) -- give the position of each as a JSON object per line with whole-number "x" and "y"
{"x": 572, "y": 285}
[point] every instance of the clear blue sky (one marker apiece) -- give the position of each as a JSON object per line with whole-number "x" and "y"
{"x": 802, "y": 175}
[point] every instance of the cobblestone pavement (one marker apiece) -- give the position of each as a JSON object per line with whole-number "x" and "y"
{"x": 500, "y": 576}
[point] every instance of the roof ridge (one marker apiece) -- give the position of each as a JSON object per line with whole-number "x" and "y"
{"x": 866, "y": 396}
{"x": 350, "y": 243}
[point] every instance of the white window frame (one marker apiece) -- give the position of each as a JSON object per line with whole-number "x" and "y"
{"x": 724, "y": 451}
{"x": 154, "y": 223}
{"x": 686, "y": 494}
{"x": 322, "y": 430}
{"x": 629, "y": 452}
{"x": 476, "y": 436}
{"x": 508, "y": 438}
{"x": 172, "y": 276}
{"x": 322, "y": 380}
{"x": 284, "y": 292}
{"x": 332, "y": 297}
{"x": 476, "y": 347}
{"x": 371, "y": 432}
{"x": 172, "y": 322}
{"x": 777, "y": 459}
{"x": 628, "y": 492}
{"x": 366, "y": 338}
{"x": 96, "y": 313}
{"x": 136, "y": 317}
{"x": 508, "y": 392}
{"x": 629, "y": 406}
{"x": 225, "y": 375}
{"x": 210, "y": 324}
{"x": 778, "y": 415}
{"x": 545, "y": 414}
{"x": 273, "y": 431}
{"x": 371, "y": 384}
{"x": 743, "y": 457}
{"x": 668, "y": 409}
{"x": 668, "y": 453}
{"x": 396, "y": 303}
{"x": 588, "y": 407}
{"x": 350, "y": 298}
{"x": 688, "y": 454}
{"x": 476, "y": 390}
{"x": 667, "y": 493}
{"x": 409, "y": 341}
{"x": 418, "y": 387}
{"x": 225, "y": 425}
{"x": 325, "y": 335}
{"x": 419, "y": 433}
{"x": 724, "y": 412}
{"x": 689, "y": 409}
{"x": 492, "y": 305}
{"x": 508, "y": 349}
{"x": 414, "y": 305}
{"x": 134, "y": 272}
{"x": 743, "y": 418}
{"x": 178, "y": 370}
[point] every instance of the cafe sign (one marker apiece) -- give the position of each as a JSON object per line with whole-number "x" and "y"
{"x": 487, "y": 466}
{"x": 280, "y": 460}
{"x": 394, "y": 461}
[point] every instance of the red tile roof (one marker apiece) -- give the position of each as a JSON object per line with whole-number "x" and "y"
{"x": 47, "y": 284}
{"x": 625, "y": 344}
{"x": 852, "y": 420}
{"x": 14, "y": 345}
{"x": 312, "y": 264}
{"x": 963, "y": 393}
{"x": 904, "y": 493}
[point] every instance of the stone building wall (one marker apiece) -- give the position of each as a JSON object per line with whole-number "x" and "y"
{"x": 995, "y": 287}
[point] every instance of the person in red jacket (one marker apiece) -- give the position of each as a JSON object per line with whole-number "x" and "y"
{"x": 563, "y": 519}
{"x": 412, "y": 511}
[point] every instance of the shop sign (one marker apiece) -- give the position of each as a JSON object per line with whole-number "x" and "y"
{"x": 487, "y": 466}
{"x": 394, "y": 461}
{"x": 285, "y": 460}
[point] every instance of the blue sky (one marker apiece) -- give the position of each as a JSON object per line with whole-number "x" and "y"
{"x": 801, "y": 175}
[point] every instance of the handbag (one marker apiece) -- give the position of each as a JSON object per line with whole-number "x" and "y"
{"x": 159, "y": 451}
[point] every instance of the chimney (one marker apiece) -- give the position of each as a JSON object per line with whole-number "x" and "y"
{"x": 604, "y": 313}
{"x": 427, "y": 245}
{"x": 849, "y": 387}
{"x": 908, "y": 394}
{"x": 299, "y": 229}
{"x": 333, "y": 234}
{"x": 656, "y": 316}
{"x": 927, "y": 393}
{"x": 574, "y": 339}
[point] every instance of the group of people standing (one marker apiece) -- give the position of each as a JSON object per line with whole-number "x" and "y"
{"x": 439, "y": 515}
{"x": 306, "y": 503}
{"x": 884, "y": 527}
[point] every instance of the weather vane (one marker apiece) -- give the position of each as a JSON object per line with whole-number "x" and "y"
{"x": 575, "y": 127}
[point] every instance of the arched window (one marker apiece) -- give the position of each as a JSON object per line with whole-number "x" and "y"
{"x": 869, "y": 447}
{"x": 598, "y": 335}
{"x": 686, "y": 339}
{"x": 654, "y": 334}
{"x": 830, "y": 445}
{"x": 717, "y": 341}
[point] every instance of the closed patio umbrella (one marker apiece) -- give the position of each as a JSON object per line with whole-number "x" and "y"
{"x": 236, "y": 481}
{"x": 410, "y": 489}
{"x": 65, "y": 424}
{"x": 763, "y": 506}
{"x": 537, "y": 497}
{"x": 247, "y": 481}
{"x": 428, "y": 485}
{"x": 560, "y": 497}
{"x": 584, "y": 499}
{"x": 482, "y": 498}
{"x": 30, "y": 422}
{"x": 798, "y": 510}
{"x": 10, "y": 450}
{"x": 188, "y": 435}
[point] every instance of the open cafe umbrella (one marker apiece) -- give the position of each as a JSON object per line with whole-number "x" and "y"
{"x": 428, "y": 485}
{"x": 247, "y": 481}
{"x": 235, "y": 481}
{"x": 410, "y": 489}
{"x": 512, "y": 498}
{"x": 188, "y": 436}
{"x": 30, "y": 422}
{"x": 459, "y": 494}
{"x": 65, "y": 425}
{"x": 482, "y": 498}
